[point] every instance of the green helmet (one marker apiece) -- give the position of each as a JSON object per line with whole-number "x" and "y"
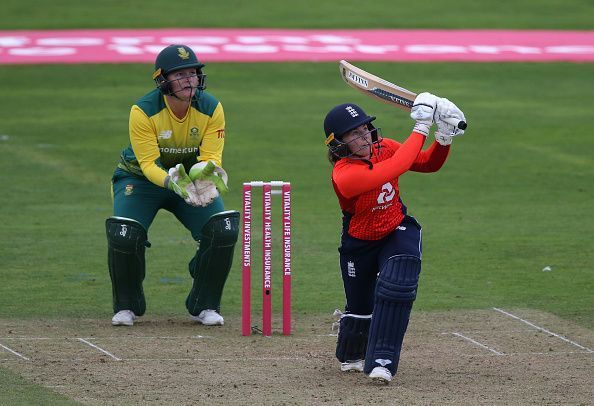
{"x": 172, "y": 58}
{"x": 176, "y": 57}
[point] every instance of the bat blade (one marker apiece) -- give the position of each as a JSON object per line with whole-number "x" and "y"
{"x": 376, "y": 87}
{"x": 380, "y": 89}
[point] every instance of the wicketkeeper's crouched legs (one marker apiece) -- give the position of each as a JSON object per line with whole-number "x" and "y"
{"x": 395, "y": 292}
{"x": 212, "y": 262}
{"x": 127, "y": 242}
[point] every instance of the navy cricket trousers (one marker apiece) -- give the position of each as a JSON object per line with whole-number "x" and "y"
{"x": 361, "y": 261}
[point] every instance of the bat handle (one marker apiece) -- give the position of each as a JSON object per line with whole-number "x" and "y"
{"x": 456, "y": 123}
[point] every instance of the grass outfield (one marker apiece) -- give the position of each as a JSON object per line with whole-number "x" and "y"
{"x": 516, "y": 14}
{"x": 512, "y": 199}
{"x": 14, "y": 390}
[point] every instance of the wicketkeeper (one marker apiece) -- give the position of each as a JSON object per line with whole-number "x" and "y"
{"x": 380, "y": 249}
{"x": 173, "y": 162}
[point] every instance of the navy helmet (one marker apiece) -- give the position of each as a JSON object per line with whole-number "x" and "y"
{"x": 342, "y": 119}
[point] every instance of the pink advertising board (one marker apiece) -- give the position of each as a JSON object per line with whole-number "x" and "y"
{"x": 282, "y": 45}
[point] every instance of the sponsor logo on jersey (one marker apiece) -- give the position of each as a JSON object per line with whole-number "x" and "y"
{"x": 382, "y": 207}
{"x": 221, "y": 133}
{"x": 179, "y": 150}
{"x": 384, "y": 199}
{"x": 387, "y": 193}
{"x": 165, "y": 134}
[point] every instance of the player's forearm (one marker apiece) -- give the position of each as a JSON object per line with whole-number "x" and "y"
{"x": 432, "y": 159}
{"x": 154, "y": 173}
{"x": 211, "y": 148}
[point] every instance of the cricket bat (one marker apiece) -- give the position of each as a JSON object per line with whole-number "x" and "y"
{"x": 387, "y": 92}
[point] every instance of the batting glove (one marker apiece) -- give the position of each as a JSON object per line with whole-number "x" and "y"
{"x": 445, "y": 109}
{"x": 443, "y": 139}
{"x": 422, "y": 112}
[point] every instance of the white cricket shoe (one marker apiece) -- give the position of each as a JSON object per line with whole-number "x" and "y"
{"x": 381, "y": 374}
{"x": 209, "y": 317}
{"x": 353, "y": 366}
{"x": 123, "y": 318}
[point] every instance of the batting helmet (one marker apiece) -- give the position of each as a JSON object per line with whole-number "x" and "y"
{"x": 173, "y": 58}
{"x": 339, "y": 121}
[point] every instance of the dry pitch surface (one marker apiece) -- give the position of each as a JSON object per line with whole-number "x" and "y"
{"x": 494, "y": 356}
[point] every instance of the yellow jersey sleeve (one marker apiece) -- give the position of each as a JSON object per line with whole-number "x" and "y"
{"x": 213, "y": 141}
{"x": 144, "y": 143}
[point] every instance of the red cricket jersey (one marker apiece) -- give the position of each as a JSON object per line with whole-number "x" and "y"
{"x": 370, "y": 198}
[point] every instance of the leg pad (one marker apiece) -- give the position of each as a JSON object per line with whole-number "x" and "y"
{"x": 212, "y": 262}
{"x": 126, "y": 245}
{"x": 352, "y": 337}
{"x": 395, "y": 292}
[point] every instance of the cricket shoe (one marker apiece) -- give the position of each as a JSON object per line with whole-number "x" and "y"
{"x": 123, "y": 318}
{"x": 353, "y": 366}
{"x": 381, "y": 374}
{"x": 209, "y": 317}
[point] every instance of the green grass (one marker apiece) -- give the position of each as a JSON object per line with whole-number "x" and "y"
{"x": 512, "y": 199}
{"x": 15, "y": 391}
{"x": 511, "y": 14}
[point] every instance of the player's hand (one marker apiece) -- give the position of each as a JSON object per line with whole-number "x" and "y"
{"x": 182, "y": 185}
{"x": 423, "y": 111}
{"x": 209, "y": 171}
{"x": 447, "y": 110}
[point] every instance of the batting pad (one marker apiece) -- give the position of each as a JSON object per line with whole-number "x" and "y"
{"x": 352, "y": 337}
{"x": 395, "y": 292}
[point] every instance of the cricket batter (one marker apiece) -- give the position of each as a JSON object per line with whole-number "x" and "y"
{"x": 380, "y": 249}
{"x": 173, "y": 162}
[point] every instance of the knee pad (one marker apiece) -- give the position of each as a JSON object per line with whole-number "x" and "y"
{"x": 222, "y": 228}
{"x": 126, "y": 235}
{"x": 127, "y": 242}
{"x": 399, "y": 279}
{"x": 212, "y": 262}
{"x": 352, "y": 337}
{"x": 217, "y": 242}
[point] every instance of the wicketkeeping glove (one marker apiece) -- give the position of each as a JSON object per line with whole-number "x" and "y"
{"x": 209, "y": 180}
{"x": 209, "y": 171}
{"x": 182, "y": 185}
